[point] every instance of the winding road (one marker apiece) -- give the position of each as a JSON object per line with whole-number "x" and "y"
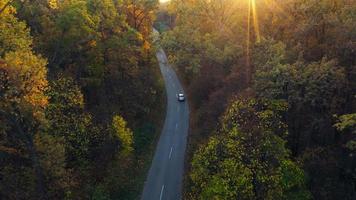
{"x": 165, "y": 177}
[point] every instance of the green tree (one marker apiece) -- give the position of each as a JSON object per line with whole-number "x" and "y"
{"x": 313, "y": 91}
{"x": 124, "y": 134}
{"x": 22, "y": 103}
{"x": 347, "y": 124}
{"x": 59, "y": 178}
{"x": 98, "y": 65}
{"x": 214, "y": 41}
{"x": 247, "y": 160}
{"x": 67, "y": 119}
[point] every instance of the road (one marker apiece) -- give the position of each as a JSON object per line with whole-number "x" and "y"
{"x": 165, "y": 177}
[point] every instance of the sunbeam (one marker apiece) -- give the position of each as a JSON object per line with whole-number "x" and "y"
{"x": 252, "y": 11}
{"x": 248, "y": 35}
{"x": 255, "y": 20}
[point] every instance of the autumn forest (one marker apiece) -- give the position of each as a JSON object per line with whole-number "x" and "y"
{"x": 271, "y": 86}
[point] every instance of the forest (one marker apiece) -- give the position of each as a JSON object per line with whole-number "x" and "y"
{"x": 79, "y": 91}
{"x": 271, "y": 86}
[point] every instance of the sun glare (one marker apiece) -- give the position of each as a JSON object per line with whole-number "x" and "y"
{"x": 255, "y": 20}
{"x": 252, "y": 12}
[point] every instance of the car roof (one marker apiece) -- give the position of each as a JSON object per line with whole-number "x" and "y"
{"x": 181, "y": 94}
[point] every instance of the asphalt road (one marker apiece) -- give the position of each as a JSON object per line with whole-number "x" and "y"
{"x": 165, "y": 177}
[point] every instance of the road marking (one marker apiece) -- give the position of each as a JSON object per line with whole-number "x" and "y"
{"x": 160, "y": 196}
{"x": 176, "y": 126}
{"x": 177, "y": 108}
{"x": 170, "y": 153}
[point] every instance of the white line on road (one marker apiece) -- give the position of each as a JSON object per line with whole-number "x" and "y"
{"x": 176, "y": 126}
{"x": 160, "y": 196}
{"x": 170, "y": 153}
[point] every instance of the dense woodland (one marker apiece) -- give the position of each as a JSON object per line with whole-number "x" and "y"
{"x": 79, "y": 95}
{"x": 271, "y": 85}
{"x": 272, "y": 91}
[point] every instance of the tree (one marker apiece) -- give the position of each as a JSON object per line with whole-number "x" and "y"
{"x": 248, "y": 159}
{"x": 216, "y": 40}
{"x": 23, "y": 79}
{"x": 67, "y": 119}
{"x": 124, "y": 135}
{"x": 140, "y": 14}
{"x": 303, "y": 62}
{"x": 347, "y": 124}
{"x": 58, "y": 139}
{"x": 59, "y": 179}
{"x": 313, "y": 91}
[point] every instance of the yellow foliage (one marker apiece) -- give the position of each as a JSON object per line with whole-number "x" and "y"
{"x": 53, "y": 4}
{"x": 124, "y": 134}
{"x": 146, "y": 45}
{"x": 9, "y": 9}
{"x": 27, "y": 75}
{"x": 92, "y": 43}
{"x": 139, "y": 36}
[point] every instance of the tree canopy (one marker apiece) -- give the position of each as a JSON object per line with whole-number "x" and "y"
{"x": 293, "y": 54}
{"x": 78, "y": 84}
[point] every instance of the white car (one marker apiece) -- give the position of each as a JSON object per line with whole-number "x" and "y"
{"x": 180, "y": 97}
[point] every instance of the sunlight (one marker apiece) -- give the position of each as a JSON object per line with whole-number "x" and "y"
{"x": 248, "y": 35}
{"x": 274, "y": 7}
{"x": 252, "y": 11}
{"x": 255, "y": 20}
